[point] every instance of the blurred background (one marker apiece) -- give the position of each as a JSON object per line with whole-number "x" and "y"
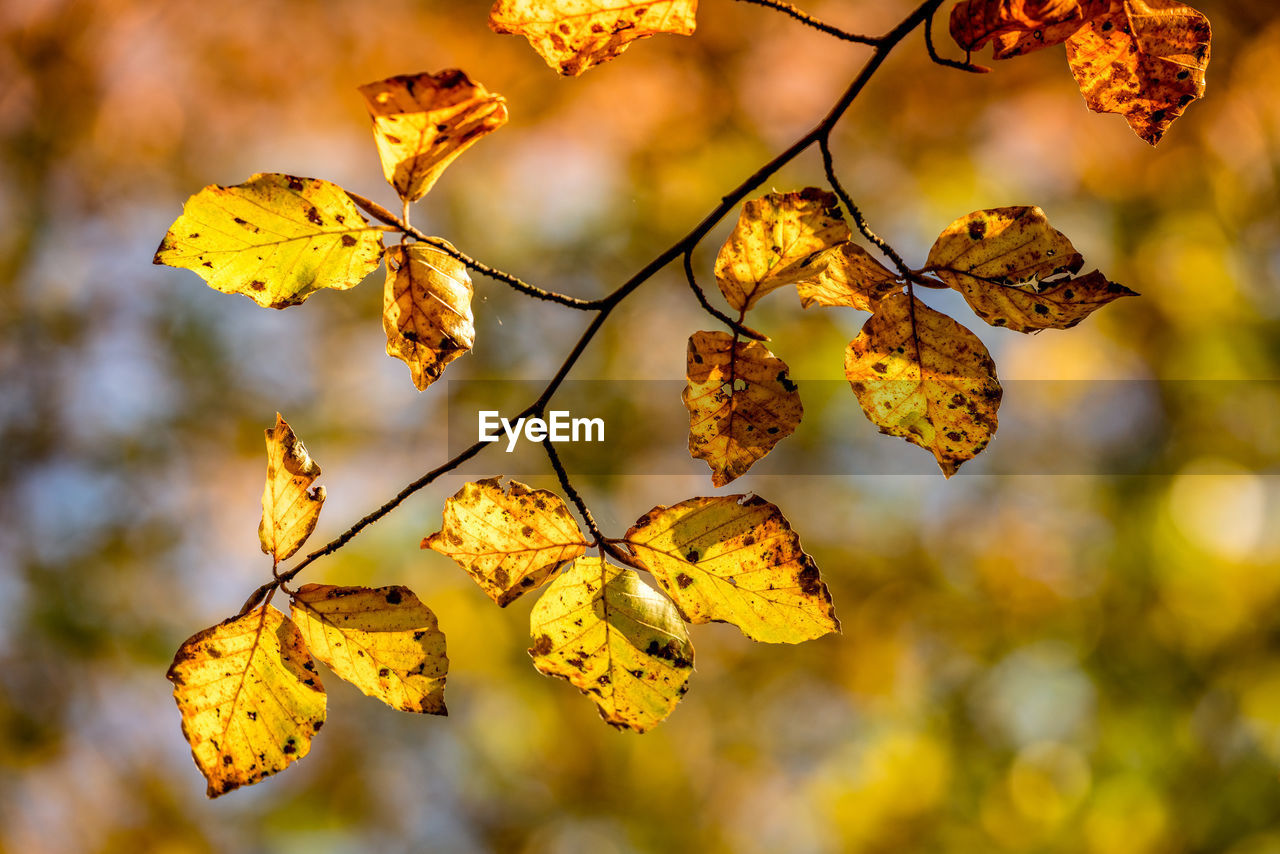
{"x": 1070, "y": 647}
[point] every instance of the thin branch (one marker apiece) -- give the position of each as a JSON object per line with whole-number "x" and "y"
{"x": 606, "y": 305}
{"x": 949, "y": 63}
{"x": 858, "y": 219}
{"x": 810, "y": 21}
{"x": 563, "y": 475}
{"x": 379, "y": 212}
{"x": 737, "y": 326}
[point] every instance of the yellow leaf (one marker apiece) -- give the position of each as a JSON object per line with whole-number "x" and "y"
{"x": 1011, "y": 44}
{"x": 920, "y": 375}
{"x": 615, "y": 639}
{"x": 421, "y": 122}
{"x": 382, "y": 640}
{"x": 735, "y": 559}
{"x": 1144, "y": 59}
{"x": 1000, "y": 259}
{"x": 249, "y": 697}
{"x": 574, "y": 35}
{"x": 426, "y": 310}
{"x": 740, "y": 400}
{"x": 508, "y": 541}
{"x": 851, "y": 277}
{"x": 277, "y": 239}
{"x": 780, "y": 239}
{"x": 1019, "y": 26}
{"x": 290, "y": 506}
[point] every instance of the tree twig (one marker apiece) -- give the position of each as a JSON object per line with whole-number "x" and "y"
{"x": 829, "y": 166}
{"x": 942, "y": 60}
{"x": 379, "y": 212}
{"x": 738, "y": 327}
{"x": 563, "y": 475}
{"x": 810, "y": 21}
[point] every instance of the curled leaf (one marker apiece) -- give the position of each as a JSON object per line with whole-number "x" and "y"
{"x": 850, "y": 277}
{"x": 735, "y": 559}
{"x": 382, "y": 640}
{"x": 249, "y": 697}
{"x": 1019, "y": 26}
{"x": 1017, "y": 271}
{"x": 277, "y": 239}
{"x": 421, "y": 122}
{"x": 615, "y": 639}
{"x": 1011, "y": 44}
{"x": 1143, "y": 59}
{"x": 922, "y": 376}
{"x": 290, "y": 506}
{"x": 741, "y": 403}
{"x": 574, "y": 35}
{"x": 426, "y": 310}
{"x": 509, "y": 541}
{"x": 780, "y": 238}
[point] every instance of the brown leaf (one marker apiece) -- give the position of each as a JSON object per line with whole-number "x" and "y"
{"x": 1015, "y": 270}
{"x": 426, "y": 310}
{"x": 249, "y": 697}
{"x": 735, "y": 559}
{"x": 780, "y": 238}
{"x": 1020, "y": 26}
{"x": 922, "y": 376}
{"x": 851, "y": 277}
{"x": 616, "y": 639}
{"x": 421, "y": 122}
{"x": 741, "y": 403}
{"x": 1144, "y": 59}
{"x": 290, "y": 507}
{"x": 509, "y": 542}
{"x": 382, "y": 640}
{"x": 574, "y": 35}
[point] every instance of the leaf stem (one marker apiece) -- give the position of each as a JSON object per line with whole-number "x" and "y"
{"x": 563, "y": 475}
{"x": 736, "y": 325}
{"x": 825, "y": 145}
{"x": 941, "y": 60}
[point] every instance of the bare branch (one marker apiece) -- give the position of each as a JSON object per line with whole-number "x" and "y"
{"x": 949, "y": 63}
{"x": 810, "y": 21}
{"x": 858, "y": 219}
{"x": 563, "y": 475}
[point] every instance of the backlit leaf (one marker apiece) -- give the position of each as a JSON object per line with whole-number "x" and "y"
{"x": 574, "y": 35}
{"x": 290, "y": 505}
{"x": 1011, "y": 44}
{"x": 1144, "y": 59}
{"x": 741, "y": 403}
{"x": 382, "y": 640}
{"x": 615, "y": 639}
{"x": 509, "y": 541}
{"x": 277, "y": 239}
{"x": 851, "y": 277}
{"x": 922, "y": 376}
{"x": 426, "y": 310}
{"x": 735, "y": 559}
{"x": 780, "y": 238}
{"x": 249, "y": 697}
{"x": 421, "y": 122}
{"x": 1016, "y": 271}
{"x": 1019, "y": 26}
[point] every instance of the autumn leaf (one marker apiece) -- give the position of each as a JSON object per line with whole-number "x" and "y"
{"x": 922, "y": 376}
{"x": 735, "y": 559}
{"x": 249, "y": 697}
{"x": 290, "y": 506}
{"x": 382, "y": 640}
{"x": 1004, "y": 261}
{"x": 277, "y": 239}
{"x": 780, "y": 239}
{"x": 850, "y": 277}
{"x": 426, "y": 310}
{"x": 509, "y": 541}
{"x": 1019, "y": 26}
{"x": 574, "y": 35}
{"x": 1143, "y": 59}
{"x": 421, "y": 122}
{"x": 741, "y": 403}
{"x": 614, "y": 638}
